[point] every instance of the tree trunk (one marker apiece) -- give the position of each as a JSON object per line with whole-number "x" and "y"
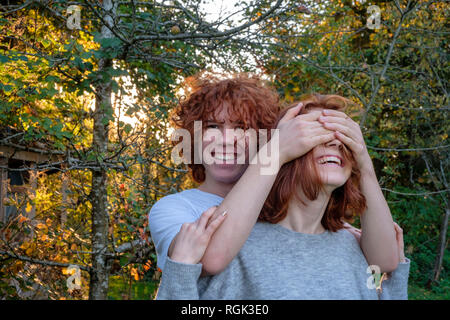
{"x": 441, "y": 247}
{"x": 99, "y": 275}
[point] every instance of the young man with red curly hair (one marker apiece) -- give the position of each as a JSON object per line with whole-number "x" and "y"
{"x": 300, "y": 248}
{"x": 240, "y": 190}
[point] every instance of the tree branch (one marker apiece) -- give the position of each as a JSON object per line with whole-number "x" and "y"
{"x": 43, "y": 262}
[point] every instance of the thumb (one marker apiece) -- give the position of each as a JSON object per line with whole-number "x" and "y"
{"x": 291, "y": 113}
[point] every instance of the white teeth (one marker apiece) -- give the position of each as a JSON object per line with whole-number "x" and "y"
{"x": 224, "y": 157}
{"x": 330, "y": 159}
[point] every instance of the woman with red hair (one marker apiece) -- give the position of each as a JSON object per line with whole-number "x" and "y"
{"x": 300, "y": 248}
{"x": 303, "y": 180}
{"x": 239, "y": 189}
{"x": 221, "y": 106}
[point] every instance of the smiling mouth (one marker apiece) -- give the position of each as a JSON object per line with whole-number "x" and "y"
{"x": 224, "y": 158}
{"x": 330, "y": 160}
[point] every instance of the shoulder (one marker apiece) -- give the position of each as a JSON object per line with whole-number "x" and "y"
{"x": 262, "y": 229}
{"x": 346, "y": 242}
{"x": 344, "y": 236}
{"x": 188, "y": 205}
{"x": 169, "y": 206}
{"x": 175, "y": 200}
{"x": 263, "y": 234}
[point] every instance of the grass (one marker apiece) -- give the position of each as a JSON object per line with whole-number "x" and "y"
{"x": 419, "y": 293}
{"x": 120, "y": 289}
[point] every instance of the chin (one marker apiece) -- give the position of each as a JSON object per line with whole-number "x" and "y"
{"x": 334, "y": 182}
{"x": 334, "y": 186}
{"x": 228, "y": 175}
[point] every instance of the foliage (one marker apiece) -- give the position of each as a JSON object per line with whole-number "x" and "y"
{"x": 54, "y": 85}
{"x": 398, "y": 75}
{"x": 67, "y": 90}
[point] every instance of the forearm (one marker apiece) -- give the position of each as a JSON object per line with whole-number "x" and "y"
{"x": 378, "y": 241}
{"x": 243, "y": 205}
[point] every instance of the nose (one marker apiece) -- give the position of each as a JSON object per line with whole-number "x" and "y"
{"x": 229, "y": 138}
{"x": 334, "y": 143}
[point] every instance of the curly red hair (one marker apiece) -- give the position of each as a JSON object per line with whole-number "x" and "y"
{"x": 345, "y": 201}
{"x": 251, "y": 101}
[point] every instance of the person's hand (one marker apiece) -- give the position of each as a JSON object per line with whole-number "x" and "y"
{"x": 349, "y": 133}
{"x": 398, "y": 233}
{"x": 191, "y": 241}
{"x": 298, "y": 134}
{"x": 400, "y": 243}
{"x": 354, "y": 231}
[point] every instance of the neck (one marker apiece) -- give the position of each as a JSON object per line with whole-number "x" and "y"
{"x": 306, "y": 218}
{"x": 215, "y": 187}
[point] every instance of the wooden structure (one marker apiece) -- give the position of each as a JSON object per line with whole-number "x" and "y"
{"x": 19, "y": 162}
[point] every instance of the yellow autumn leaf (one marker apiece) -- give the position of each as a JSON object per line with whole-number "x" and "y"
{"x": 28, "y": 208}
{"x": 41, "y": 226}
{"x": 135, "y": 274}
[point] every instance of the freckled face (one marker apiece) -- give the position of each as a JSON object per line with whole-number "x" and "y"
{"x": 224, "y": 148}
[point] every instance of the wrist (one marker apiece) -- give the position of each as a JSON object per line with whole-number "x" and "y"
{"x": 367, "y": 170}
{"x": 183, "y": 259}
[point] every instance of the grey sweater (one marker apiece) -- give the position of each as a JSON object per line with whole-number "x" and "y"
{"x": 277, "y": 263}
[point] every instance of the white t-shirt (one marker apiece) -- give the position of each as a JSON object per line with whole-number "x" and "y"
{"x": 170, "y": 212}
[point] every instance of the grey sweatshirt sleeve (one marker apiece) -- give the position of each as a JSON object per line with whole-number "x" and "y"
{"x": 179, "y": 281}
{"x": 396, "y": 287}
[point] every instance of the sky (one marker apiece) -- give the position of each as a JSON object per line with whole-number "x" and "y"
{"x": 215, "y": 9}
{"x": 220, "y": 9}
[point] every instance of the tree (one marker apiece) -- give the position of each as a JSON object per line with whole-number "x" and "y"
{"x": 398, "y": 74}
{"x": 51, "y": 72}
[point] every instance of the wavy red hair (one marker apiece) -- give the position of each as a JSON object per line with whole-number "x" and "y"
{"x": 345, "y": 202}
{"x": 250, "y": 99}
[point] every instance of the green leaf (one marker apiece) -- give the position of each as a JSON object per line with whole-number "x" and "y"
{"x": 127, "y": 128}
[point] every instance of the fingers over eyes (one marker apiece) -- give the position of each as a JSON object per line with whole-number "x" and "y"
{"x": 314, "y": 115}
{"x": 334, "y": 113}
{"x": 291, "y": 113}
